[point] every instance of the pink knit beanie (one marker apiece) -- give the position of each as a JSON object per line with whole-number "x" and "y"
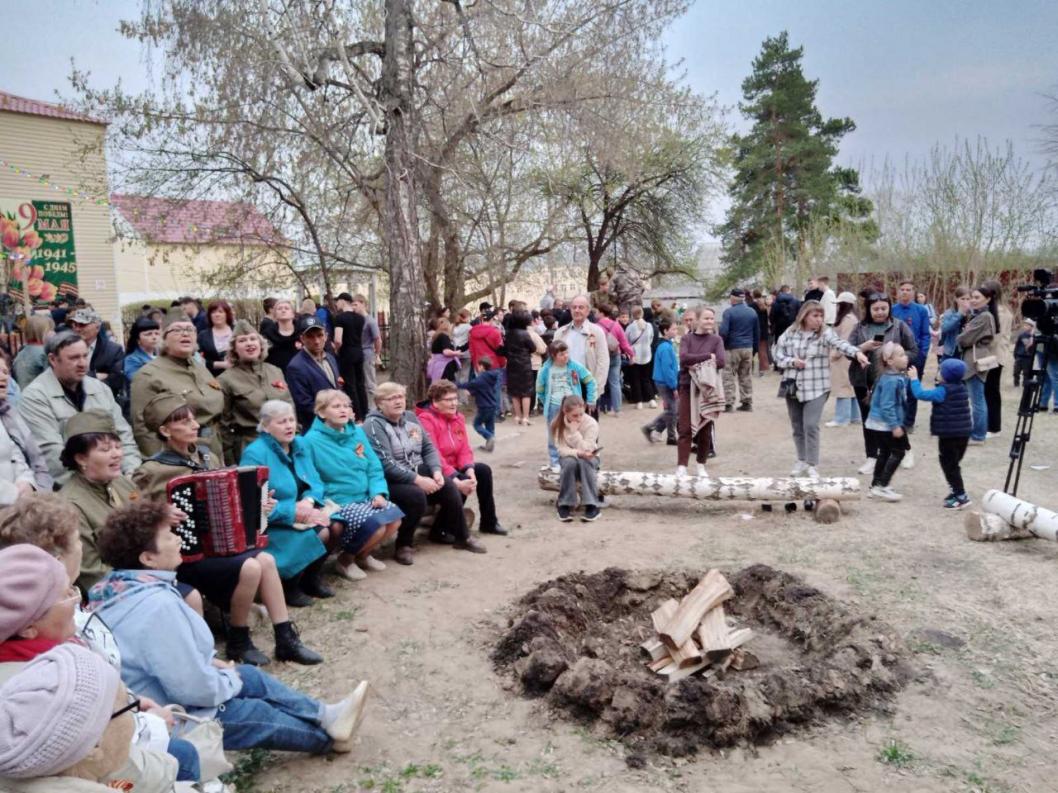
{"x": 54, "y": 711}
{"x": 31, "y": 582}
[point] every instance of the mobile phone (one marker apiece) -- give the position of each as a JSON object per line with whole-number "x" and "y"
{"x": 597, "y": 449}
{"x": 879, "y": 337}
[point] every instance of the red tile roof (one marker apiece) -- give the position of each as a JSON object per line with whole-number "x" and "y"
{"x": 168, "y": 220}
{"x": 33, "y": 107}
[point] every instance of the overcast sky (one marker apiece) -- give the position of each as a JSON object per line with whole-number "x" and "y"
{"x": 908, "y": 72}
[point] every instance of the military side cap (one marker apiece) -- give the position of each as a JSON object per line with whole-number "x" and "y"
{"x": 160, "y": 408}
{"x": 243, "y": 327}
{"x": 173, "y": 315}
{"x": 88, "y": 421}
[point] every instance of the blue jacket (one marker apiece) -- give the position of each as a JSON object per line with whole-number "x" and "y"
{"x": 306, "y": 379}
{"x": 950, "y": 417}
{"x": 347, "y": 464}
{"x": 281, "y": 478}
{"x": 485, "y": 387}
{"x": 134, "y": 362}
{"x": 917, "y": 318}
{"x": 666, "y": 367}
{"x": 951, "y": 322}
{"x": 888, "y": 403}
{"x": 740, "y": 328}
{"x": 578, "y": 375}
{"x": 166, "y": 648}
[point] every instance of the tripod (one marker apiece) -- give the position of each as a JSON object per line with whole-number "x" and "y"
{"x": 1030, "y": 403}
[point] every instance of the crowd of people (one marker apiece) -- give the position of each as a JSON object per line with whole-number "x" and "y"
{"x": 92, "y": 432}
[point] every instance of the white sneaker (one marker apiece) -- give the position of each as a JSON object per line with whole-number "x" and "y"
{"x": 352, "y": 572}
{"x": 885, "y": 493}
{"x": 653, "y": 403}
{"x": 992, "y": 434}
{"x": 681, "y": 471}
{"x": 812, "y": 473}
{"x": 369, "y": 562}
{"x": 908, "y": 461}
{"x": 867, "y": 467}
{"x": 639, "y": 405}
{"x": 702, "y": 473}
{"x": 344, "y": 728}
{"x": 834, "y": 424}
{"x": 799, "y": 468}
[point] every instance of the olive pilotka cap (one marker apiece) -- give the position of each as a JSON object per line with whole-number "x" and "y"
{"x": 94, "y": 421}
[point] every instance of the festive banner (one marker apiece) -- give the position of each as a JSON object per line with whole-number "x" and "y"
{"x": 36, "y": 240}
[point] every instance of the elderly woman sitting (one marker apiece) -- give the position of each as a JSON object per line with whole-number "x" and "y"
{"x": 448, "y": 430}
{"x": 352, "y": 476}
{"x": 414, "y": 472}
{"x": 247, "y": 384}
{"x": 167, "y": 649}
{"x": 229, "y": 582}
{"x": 298, "y": 527}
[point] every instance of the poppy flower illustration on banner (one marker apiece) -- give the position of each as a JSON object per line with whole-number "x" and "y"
{"x": 37, "y": 246}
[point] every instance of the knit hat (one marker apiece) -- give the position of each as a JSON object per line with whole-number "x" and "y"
{"x": 55, "y": 711}
{"x": 94, "y": 420}
{"x": 952, "y": 370}
{"x": 31, "y": 582}
{"x": 161, "y": 407}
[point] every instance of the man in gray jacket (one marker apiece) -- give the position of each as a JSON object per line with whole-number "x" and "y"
{"x": 64, "y": 389}
{"x": 740, "y": 330}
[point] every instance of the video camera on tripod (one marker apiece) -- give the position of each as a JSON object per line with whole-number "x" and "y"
{"x": 1041, "y": 306}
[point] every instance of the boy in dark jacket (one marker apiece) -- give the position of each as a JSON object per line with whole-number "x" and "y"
{"x": 485, "y": 387}
{"x": 950, "y": 422}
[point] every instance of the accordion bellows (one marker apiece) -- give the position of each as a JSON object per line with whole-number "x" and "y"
{"x": 225, "y": 511}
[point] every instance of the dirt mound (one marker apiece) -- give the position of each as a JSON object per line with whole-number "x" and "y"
{"x": 576, "y": 639}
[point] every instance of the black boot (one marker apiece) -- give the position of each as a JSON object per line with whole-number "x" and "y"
{"x": 312, "y": 580}
{"x": 240, "y": 647}
{"x": 290, "y": 648}
{"x": 293, "y": 595}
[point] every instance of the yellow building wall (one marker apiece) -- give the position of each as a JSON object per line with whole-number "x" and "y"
{"x": 53, "y": 148}
{"x": 147, "y": 271}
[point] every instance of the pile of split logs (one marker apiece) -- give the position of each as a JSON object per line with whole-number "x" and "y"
{"x": 693, "y": 634}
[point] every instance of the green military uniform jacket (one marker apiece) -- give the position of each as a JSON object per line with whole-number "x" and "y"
{"x": 192, "y": 382}
{"x": 152, "y": 477}
{"x": 246, "y": 386}
{"x": 95, "y": 502}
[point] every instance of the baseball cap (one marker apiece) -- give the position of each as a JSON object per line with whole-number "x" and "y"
{"x": 312, "y": 323}
{"x": 736, "y": 292}
{"x": 84, "y": 316}
{"x": 484, "y": 306}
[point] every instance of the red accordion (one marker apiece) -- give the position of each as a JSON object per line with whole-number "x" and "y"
{"x": 225, "y": 511}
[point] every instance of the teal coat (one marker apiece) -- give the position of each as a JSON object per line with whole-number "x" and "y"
{"x": 292, "y": 477}
{"x": 348, "y": 466}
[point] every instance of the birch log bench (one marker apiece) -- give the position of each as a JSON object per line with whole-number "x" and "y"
{"x": 825, "y": 492}
{"x": 1004, "y": 517}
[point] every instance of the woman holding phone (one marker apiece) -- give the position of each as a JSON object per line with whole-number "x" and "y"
{"x": 874, "y": 330}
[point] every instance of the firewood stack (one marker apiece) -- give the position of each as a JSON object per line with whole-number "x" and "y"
{"x": 693, "y": 634}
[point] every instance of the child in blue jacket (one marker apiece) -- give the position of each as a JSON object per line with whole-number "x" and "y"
{"x": 560, "y": 377}
{"x": 886, "y": 419}
{"x": 486, "y": 389}
{"x": 666, "y": 372}
{"x": 950, "y": 421}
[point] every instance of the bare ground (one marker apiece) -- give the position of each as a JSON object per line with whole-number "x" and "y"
{"x": 981, "y": 714}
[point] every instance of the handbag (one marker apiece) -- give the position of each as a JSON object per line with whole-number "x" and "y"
{"x": 985, "y": 363}
{"x": 207, "y": 736}
{"x": 788, "y": 388}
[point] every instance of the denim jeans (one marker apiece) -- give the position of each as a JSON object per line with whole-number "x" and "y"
{"x": 846, "y": 411}
{"x": 978, "y": 408}
{"x": 911, "y": 412}
{"x": 485, "y": 422}
{"x": 188, "y": 766}
{"x": 613, "y": 384}
{"x": 550, "y": 411}
{"x": 666, "y": 422}
{"x": 269, "y": 715}
{"x": 1049, "y": 385}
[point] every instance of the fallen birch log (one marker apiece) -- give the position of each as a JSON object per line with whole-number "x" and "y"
{"x": 985, "y": 527}
{"x": 1042, "y": 523}
{"x": 637, "y": 483}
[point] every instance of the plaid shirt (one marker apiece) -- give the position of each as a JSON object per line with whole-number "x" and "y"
{"x": 814, "y": 380}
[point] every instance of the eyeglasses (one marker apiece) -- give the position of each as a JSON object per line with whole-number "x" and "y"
{"x": 450, "y": 398}
{"x": 182, "y": 331}
{"x": 133, "y": 705}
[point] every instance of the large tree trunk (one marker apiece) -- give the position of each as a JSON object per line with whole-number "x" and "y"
{"x": 400, "y": 222}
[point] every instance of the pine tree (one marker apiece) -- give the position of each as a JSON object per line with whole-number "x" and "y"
{"x": 785, "y": 182}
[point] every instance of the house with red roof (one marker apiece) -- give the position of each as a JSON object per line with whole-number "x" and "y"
{"x": 56, "y": 236}
{"x": 168, "y": 247}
